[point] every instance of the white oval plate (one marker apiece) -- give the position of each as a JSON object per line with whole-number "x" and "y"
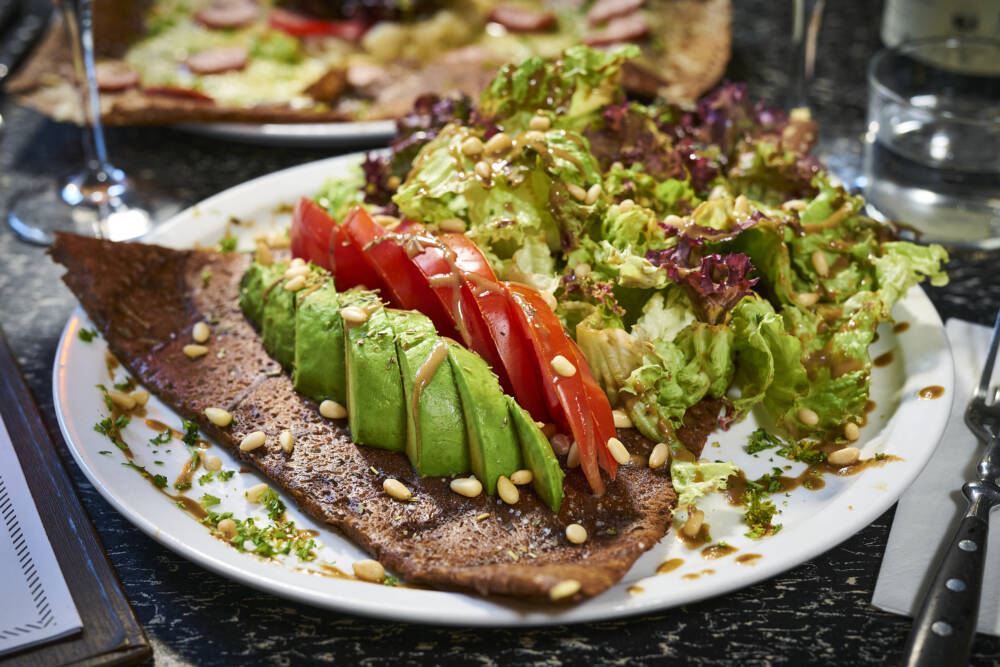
{"x": 813, "y": 521}
{"x": 347, "y": 134}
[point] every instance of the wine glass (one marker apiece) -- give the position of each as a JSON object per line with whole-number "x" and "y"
{"x": 805, "y": 31}
{"x": 100, "y": 200}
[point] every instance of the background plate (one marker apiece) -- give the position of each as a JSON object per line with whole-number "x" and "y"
{"x": 299, "y": 135}
{"x": 813, "y": 521}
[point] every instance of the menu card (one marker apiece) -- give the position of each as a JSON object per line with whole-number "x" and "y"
{"x": 37, "y": 606}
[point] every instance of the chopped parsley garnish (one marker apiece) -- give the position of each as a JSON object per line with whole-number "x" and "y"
{"x": 206, "y": 276}
{"x": 267, "y": 541}
{"x": 87, "y": 335}
{"x": 105, "y": 452}
{"x": 122, "y": 422}
{"x": 226, "y": 475}
{"x": 191, "y": 434}
{"x": 227, "y": 243}
{"x": 759, "y": 514}
{"x": 127, "y": 385}
{"x": 390, "y": 580}
{"x": 880, "y": 456}
{"x": 160, "y": 439}
{"x": 160, "y": 481}
{"x": 181, "y": 486}
{"x": 761, "y": 440}
{"x": 207, "y": 500}
{"x": 803, "y": 451}
{"x": 275, "y": 507}
{"x": 206, "y": 478}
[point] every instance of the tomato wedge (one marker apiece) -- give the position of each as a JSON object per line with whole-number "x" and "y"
{"x": 405, "y": 284}
{"x": 549, "y": 340}
{"x": 513, "y": 350}
{"x": 310, "y": 232}
{"x": 304, "y": 26}
{"x": 600, "y": 408}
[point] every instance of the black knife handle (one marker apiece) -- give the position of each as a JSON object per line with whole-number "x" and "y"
{"x": 944, "y": 627}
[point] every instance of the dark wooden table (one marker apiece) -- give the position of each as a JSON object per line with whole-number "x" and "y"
{"x": 817, "y": 613}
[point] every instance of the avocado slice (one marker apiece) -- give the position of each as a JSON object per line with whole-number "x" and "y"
{"x": 320, "y": 370}
{"x": 375, "y": 401}
{"x": 493, "y": 445}
{"x": 277, "y": 326}
{"x": 436, "y": 441}
{"x": 538, "y": 456}
{"x": 252, "y": 286}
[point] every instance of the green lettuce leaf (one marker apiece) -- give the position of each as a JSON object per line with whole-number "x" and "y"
{"x": 693, "y": 480}
{"x": 340, "y": 195}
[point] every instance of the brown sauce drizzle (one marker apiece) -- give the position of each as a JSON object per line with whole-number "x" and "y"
{"x": 692, "y": 575}
{"x": 811, "y": 478}
{"x": 883, "y": 360}
{"x": 900, "y": 327}
{"x": 748, "y": 559}
{"x": 869, "y": 406}
{"x": 717, "y": 551}
{"x": 931, "y": 392}
{"x": 669, "y": 565}
{"x": 111, "y": 363}
{"x": 160, "y": 427}
{"x": 634, "y": 590}
{"x": 698, "y": 541}
{"x": 187, "y": 472}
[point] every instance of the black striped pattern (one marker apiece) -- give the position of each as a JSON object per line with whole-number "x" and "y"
{"x": 9, "y": 518}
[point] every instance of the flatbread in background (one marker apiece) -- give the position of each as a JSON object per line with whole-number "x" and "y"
{"x": 696, "y": 35}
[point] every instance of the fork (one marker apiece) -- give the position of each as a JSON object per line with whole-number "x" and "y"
{"x": 944, "y": 627}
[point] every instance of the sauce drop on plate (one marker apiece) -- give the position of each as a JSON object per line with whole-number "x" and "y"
{"x": 931, "y": 392}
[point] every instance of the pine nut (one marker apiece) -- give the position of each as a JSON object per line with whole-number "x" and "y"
{"x": 123, "y": 401}
{"x": 563, "y": 366}
{"x": 844, "y": 457}
{"x": 673, "y": 221}
{"x": 483, "y": 169}
{"x": 692, "y": 526}
{"x": 470, "y": 487}
{"x": 659, "y": 455}
{"x": 851, "y": 431}
{"x": 540, "y": 123}
{"x": 498, "y": 143}
{"x": 794, "y": 205}
{"x": 507, "y": 491}
{"x": 200, "y": 332}
{"x": 532, "y": 137}
{"x": 255, "y": 492}
{"x": 369, "y": 570}
{"x": 227, "y": 528}
{"x": 577, "y": 192}
{"x": 195, "y": 351}
{"x": 472, "y": 146}
{"x": 263, "y": 254}
{"x": 564, "y": 589}
{"x": 296, "y": 271}
{"x": 387, "y": 221}
{"x": 808, "y": 417}
{"x": 295, "y": 284}
{"x": 219, "y": 417}
{"x": 718, "y": 192}
{"x": 808, "y": 298}
{"x": 298, "y": 261}
{"x": 593, "y": 192}
{"x": 622, "y": 420}
{"x": 141, "y": 396}
{"x": 252, "y": 441}
{"x": 211, "y": 462}
{"x": 549, "y": 299}
{"x": 452, "y": 225}
{"x": 332, "y": 410}
{"x": 286, "y": 441}
{"x": 626, "y": 204}
{"x": 741, "y": 206}
{"x": 819, "y": 263}
{"x": 354, "y": 315}
{"x": 396, "y": 489}
{"x": 582, "y": 270}
{"x": 522, "y": 477}
{"x": 618, "y": 451}
{"x": 573, "y": 458}
{"x": 576, "y": 533}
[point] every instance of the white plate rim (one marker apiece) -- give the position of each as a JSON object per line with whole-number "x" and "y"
{"x": 304, "y": 135}
{"x": 448, "y": 608}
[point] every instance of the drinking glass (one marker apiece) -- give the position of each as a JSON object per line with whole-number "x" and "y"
{"x": 100, "y": 200}
{"x": 932, "y": 150}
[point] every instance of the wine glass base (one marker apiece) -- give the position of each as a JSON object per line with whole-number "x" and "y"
{"x": 36, "y": 214}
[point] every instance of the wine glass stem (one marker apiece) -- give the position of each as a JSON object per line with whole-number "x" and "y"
{"x": 805, "y": 31}
{"x": 79, "y": 22}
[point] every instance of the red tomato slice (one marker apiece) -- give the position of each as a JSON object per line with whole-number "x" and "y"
{"x": 549, "y": 340}
{"x": 600, "y": 407}
{"x": 468, "y": 256}
{"x": 310, "y": 232}
{"x": 405, "y": 284}
{"x": 304, "y": 26}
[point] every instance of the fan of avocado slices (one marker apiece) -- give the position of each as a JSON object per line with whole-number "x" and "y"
{"x": 406, "y": 388}
{"x": 693, "y": 252}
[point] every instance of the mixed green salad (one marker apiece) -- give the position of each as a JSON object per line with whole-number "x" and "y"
{"x": 692, "y": 254}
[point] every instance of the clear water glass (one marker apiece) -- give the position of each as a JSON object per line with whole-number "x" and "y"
{"x": 932, "y": 150}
